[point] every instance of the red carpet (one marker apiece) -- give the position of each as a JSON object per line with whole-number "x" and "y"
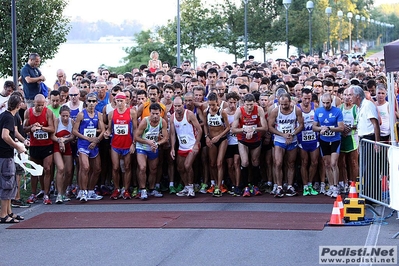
{"x": 177, "y": 219}
{"x": 207, "y": 198}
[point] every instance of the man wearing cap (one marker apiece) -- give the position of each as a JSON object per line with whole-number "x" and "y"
{"x": 122, "y": 122}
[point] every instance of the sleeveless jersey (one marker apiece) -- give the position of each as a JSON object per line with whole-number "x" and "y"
{"x": 384, "y": 126}
{"x": 39, "y": 137}
{"x": 251, "y": 119}
{"x": 286, "y": 124}
{"x": 88, "y": 127}
{"x": 74, "y": 112}
{"x": 231, "y": 138}
{"x": 150, "y": 133}
{"x": 215, "y": 120}
{"x": 307, "y": 136}
{"x": 122, "y": 130}
{"x": 63, "y": 131}
{"x": 349, "y": 142}
{"x": 185, "y": 133}
{"x": 146, "y": 109}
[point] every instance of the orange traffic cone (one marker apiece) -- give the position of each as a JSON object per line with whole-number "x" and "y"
{"x": 336, "y": 218}
{"x": 352, "y": 191}
{"x": 340, "y": 205}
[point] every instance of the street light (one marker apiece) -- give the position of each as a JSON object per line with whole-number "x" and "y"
{"x": 357, "y": 17}
{"x": 245, "y": 29}
{"x": 286, "y": 4}
{"x": 178, "y": 33}
{"x": 310, "y": 7}
{"x": 340, "y": 15}
{"x": 350, "y": 16}
{"x": 328, "y": 13}
{"x": 363, "y": 19}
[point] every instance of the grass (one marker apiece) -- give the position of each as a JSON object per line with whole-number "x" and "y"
{"x": 374, "y": 50}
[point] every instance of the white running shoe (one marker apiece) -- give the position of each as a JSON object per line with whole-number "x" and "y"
{"x": 322, "y": 188}
{"x": 335, "y": 192}
{"x": 183, "y": 192}
{"x": 83, "y": 196}
{"x": 191, "y": 192}
{"x": 156, "y": 193}
{"x": 93, "y": 196}
{"x": 143, "y": 194}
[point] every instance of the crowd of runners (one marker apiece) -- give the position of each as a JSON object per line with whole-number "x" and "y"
{"x": 281, "y": 127}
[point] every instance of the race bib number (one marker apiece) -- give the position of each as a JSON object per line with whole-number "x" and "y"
{"x": 183, "y": 140}
{"x": 89, "y": 132}
{"x": 308, "y": 135}
{"x": 329, "y": 133}
{"x": 40, "y": 135}
{"x": 287, "y": 129}
{"x": 121, "y": 129}
{"x": 153, "y": 137}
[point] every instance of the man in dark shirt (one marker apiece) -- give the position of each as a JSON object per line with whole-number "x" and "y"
{"x": 8, "y": 184}
{"x": 31, "y": 78}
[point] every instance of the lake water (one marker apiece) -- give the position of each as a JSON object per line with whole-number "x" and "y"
{"x": 75, "y": 57}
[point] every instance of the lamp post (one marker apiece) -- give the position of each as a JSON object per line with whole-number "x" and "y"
{"x": 178, "y": 33}
{"x": 357, "y": 17}
{"x": 14, "y": 42}
{"x": 286, "y": 4}
{"x": 245, "y": 30}
{"x": 310, "y": 7}
{"x": 372, "y": 32}
{"x": 350, "y": 16}
{"x": 363, "y": 20}
{"x": 340, "y": 15}
{"x": 328, "y": 13}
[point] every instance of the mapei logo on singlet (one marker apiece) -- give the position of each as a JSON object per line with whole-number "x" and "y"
{"x": 118, "y": 121}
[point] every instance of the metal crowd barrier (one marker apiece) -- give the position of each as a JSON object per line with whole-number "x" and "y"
{"x": 374, "y": 171}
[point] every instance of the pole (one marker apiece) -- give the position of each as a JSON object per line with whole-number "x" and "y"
{"x": 328, "y": 33}
{"x": 286, "y": 32}
{"x": 310, "y": 34}
{"x": 14, "y": 42}
{"x": 245, "y": 30}
{"x": 178, "y": 33}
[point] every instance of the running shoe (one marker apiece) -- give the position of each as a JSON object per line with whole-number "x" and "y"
{"x": 247, "y": 192}
{"x": 19, "y": 204}
{"x": 191, "y": 192}
{"x": 59, "y": 200}
{"x": 316, "y": 186}
{"x": 322, "y": 188}
{"x": 217, "y": 192}
{"x": 156, "y": 193}
{"x": 65, "y": 198}
{"x": 46, "y": 200}
{"x": 335, "y": 192}
{"x": 135, "y": 192}
{"x": 268, "y": 187}
{"x": 306, "y": 191}
{"x": 312, "y": 191}
{"x": 231, "y": 192}
{"x": 126, "y": 195}
{"x": 79, "y": 194}
{"x": 279, "y": 192}
{"x": 290, "y": 192}
{"x": 52, "y": 188}
{"x": 32, "y": 199}
{"x": 256, "y": 191}
{"x": 197, "y": 187}
{"x": 97, "y": 190}
{"x": 40, "y": 195}
{"x": 183, "y": 192}
{"x": 143, "y": 194}
{"x": 180, "y": 187}
{"x": 105, "y": 191}
{"x": 91, "y": 195}
{"x": 237, "y": 192}
{"x": 273, "y": 192}
{"x": 83, "y": 196}
{"x": 116, "y": 194}
{"x": 223, "y": 188}
{"x": 172, "y": 190}
{"x": 203, "y": 188}
{"x": 211, "y": 189}
{"x": 329, "y": 191}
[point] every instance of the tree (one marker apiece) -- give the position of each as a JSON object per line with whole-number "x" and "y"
{"x": 146, "y": 42}
{"x": 195, "y": 28}
{"x": 41, "y": 28}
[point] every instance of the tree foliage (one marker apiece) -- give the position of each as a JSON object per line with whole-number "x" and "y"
{"x": 41, "y": 28}
{"x": 146, "y": 42}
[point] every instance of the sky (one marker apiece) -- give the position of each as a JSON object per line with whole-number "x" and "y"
{"x": 149, "y": 13}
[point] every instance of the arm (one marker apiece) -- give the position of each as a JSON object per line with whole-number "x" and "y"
{"x": 139, "y": 132}
{"x": 235, "y": 125}
{"x": 140, "y": 110}
{"x": 300, "y": 126}
{"x": 108, "y": 131}
{"x": 75, "y": 130}
{"x": 376, "y": 126}
{"x": 52, "y": 136}
{"x": 264, "y": 126}
{"x": 5, "y": 135}
{"x": 50, "y": 121}
{"x": 193, "y": 120}
{"x": 27, "y": 126}
{"x": 172, "y": 137}
{"x": 165, "y": 135}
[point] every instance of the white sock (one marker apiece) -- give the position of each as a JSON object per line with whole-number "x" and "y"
{"x": 157, "y": 185}
{"x": 305, "y": 187}
{"x": 212, "y": 182}
{"x": 171, "y": 184}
